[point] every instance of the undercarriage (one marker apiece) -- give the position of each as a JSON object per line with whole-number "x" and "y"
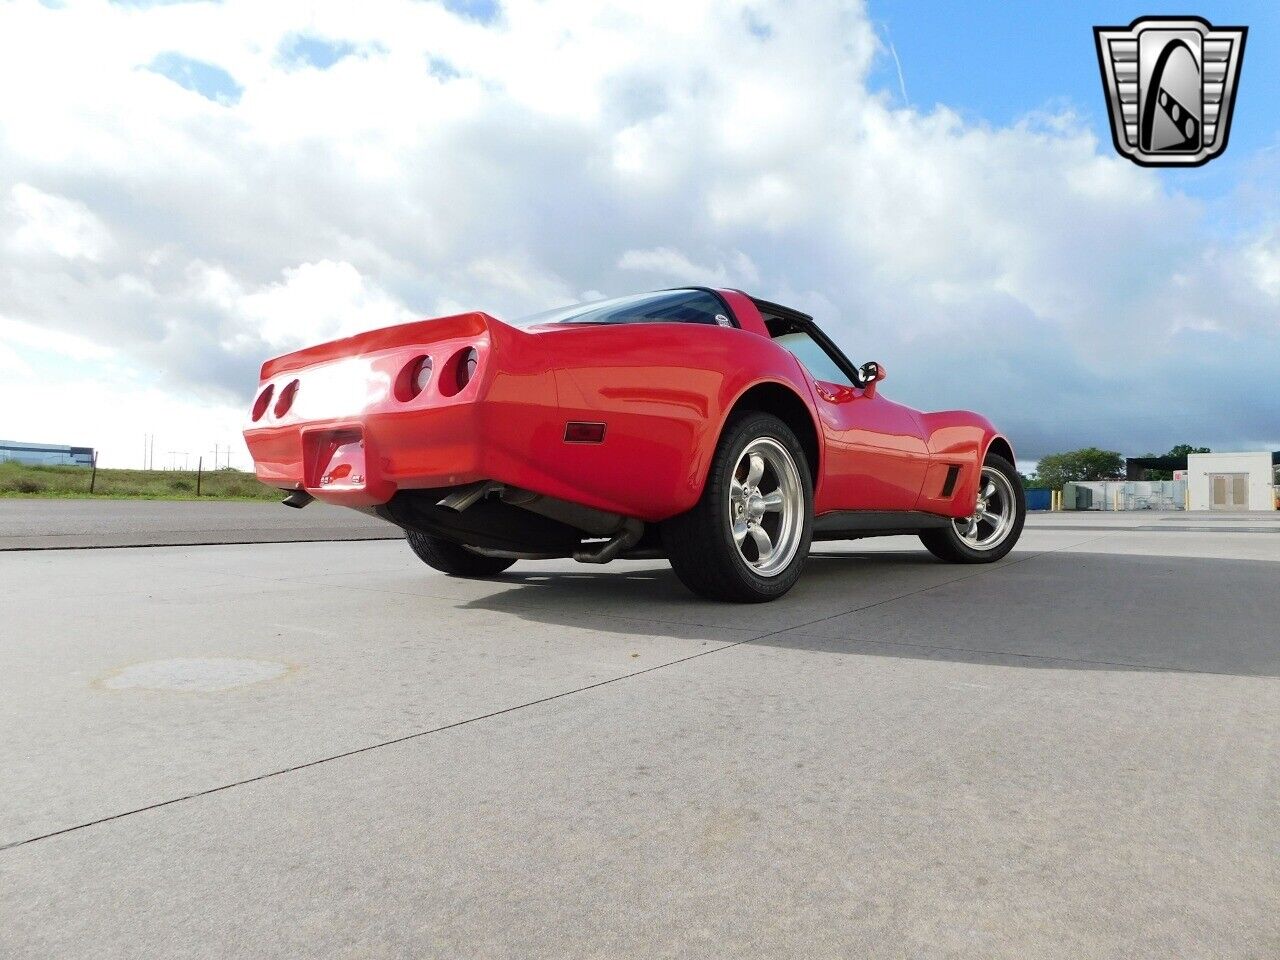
{"x": 499, "y": 520}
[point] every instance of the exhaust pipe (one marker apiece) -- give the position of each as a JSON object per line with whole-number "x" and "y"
{"x": 297, "y": 499}
{"x": 623, "y": 532}
{"x": 625, "y": 539}
{"x": 469, "y": 495}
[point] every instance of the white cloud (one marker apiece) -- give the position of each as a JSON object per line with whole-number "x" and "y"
{"x": 669, "y": 263}
{"x": 11, "y": 362}
{"x": 15, "y": 333}
{"x": 43, "y": 224}
{"x": 317, "y": 302}
{"x": 1263, "y": 257}
{"x": 572, "y": 146}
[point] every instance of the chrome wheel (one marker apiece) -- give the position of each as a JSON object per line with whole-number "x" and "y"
{"x": 993, "y": 515}
{"x": 766, "y": 507}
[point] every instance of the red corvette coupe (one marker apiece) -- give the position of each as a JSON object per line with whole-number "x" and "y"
{"x": 715, "y": 429}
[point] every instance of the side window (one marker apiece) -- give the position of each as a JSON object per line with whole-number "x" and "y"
{"x": 811, "y": 354}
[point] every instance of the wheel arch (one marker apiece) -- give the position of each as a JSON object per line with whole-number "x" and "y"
{"x": 784, "y": 403}
{"x": 1001, "y": 447}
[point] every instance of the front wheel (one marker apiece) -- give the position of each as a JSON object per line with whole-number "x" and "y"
{"x": 747, "y": 538}
{"x": 995, "y": 525}
{"x": 453, "y": 558}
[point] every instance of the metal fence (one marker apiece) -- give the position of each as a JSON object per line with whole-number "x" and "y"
{"x": 1138, "y": 494}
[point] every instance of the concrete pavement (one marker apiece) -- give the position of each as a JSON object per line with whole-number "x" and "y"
{"x": 328, "y": 749}
{"x": 49, "y": 524}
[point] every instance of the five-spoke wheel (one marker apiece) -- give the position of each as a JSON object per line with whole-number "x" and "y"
{"x": 993, "y": 526}
{"x": 747, "y": 537}
{"x": 993, "y": 514}
{"x": 766, "y": 501}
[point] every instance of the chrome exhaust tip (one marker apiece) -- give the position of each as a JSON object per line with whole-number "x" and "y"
{"x": 297, "y": 499}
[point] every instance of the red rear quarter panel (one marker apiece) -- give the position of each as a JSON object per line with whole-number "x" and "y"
{"x": 664, "y": 390}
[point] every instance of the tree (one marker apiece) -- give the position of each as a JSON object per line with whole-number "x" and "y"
{"x": 1178, "y": 450}
{"x": 1089, "y": 463}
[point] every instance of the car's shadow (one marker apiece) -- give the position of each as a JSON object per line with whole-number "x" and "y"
{"x": 1090, "y": 611}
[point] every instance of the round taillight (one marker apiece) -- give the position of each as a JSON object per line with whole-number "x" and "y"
{"x": 260, "y": 405}
{"x": 413, "y": 378}
{"x": 467, "y": 365}
{"x": 285, "y": 400}
{"x": 422, "y": 375}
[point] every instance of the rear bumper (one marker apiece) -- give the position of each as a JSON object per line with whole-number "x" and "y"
{"x": 363, "y": 461}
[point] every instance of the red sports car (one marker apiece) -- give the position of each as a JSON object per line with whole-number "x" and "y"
{"x": 715, "y": 429}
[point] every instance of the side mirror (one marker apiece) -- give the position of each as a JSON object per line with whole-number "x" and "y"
{"x": 871, "y": 373}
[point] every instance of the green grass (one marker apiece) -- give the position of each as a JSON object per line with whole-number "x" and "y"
{"x": 21, "y": 481}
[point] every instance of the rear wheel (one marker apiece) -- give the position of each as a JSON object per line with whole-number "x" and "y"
{"x": 747, "y": 538}
{"x": 995, "y": 525}
{"x": 453, "y": 558}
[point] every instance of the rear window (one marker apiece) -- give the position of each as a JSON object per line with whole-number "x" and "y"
{"x": 670, "y": 306}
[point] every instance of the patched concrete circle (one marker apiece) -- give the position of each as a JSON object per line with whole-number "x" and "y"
{"x": 197, "y": 675}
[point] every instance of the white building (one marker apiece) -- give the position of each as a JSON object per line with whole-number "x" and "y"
{"x": 45, "y": 454}
{"x": 1232, "y": 481}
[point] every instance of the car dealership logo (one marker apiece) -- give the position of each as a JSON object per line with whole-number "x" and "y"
{"x": 1170, "y": 84}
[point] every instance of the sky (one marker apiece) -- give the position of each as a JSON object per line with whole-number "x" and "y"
{"x": 188, "y": 188}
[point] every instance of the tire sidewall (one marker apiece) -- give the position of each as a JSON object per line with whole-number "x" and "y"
{"x": 1020, "y": 516}
{"x": 740, "y": 434}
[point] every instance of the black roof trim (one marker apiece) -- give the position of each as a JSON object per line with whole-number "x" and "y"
{"x": 788, "y": 312}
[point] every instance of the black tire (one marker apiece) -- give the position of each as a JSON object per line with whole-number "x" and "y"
{"x": 945, "y": 543}
{"x": 453, "y": 558}
{"x": 700, "y": 542}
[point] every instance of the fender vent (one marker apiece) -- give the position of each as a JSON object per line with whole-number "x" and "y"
{"x": 583, "y": 432}
{"x": 949, "y": 485}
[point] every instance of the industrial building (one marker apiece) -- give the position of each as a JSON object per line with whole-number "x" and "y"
{"x": 1201, "y": 481}
{"x": 45, "y": 454}
{"x": 1232, "y": 481}
{"x": 1125, "y": 495}
{"x": 1222, "y": 482}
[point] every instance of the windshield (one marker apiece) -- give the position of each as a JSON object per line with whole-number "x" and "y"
{"x": 669, "y": 306}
